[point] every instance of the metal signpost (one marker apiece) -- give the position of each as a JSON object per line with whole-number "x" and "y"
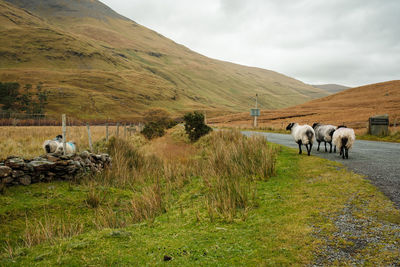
{"x": 255, "y": 112}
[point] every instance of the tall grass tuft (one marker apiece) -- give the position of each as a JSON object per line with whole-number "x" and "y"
{"x": 232, "y": 164}
{"x": 49, "y": 229}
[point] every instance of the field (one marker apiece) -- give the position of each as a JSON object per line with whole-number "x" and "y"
{"x": 352, "y": 107}
{"x": 225, "y": 200}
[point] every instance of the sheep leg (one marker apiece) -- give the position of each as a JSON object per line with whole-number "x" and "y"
{"x": 326, "y": 150}
{"x": 342, "y": 150}
{"x": 330, "y": 148}
{"x": 334, "y": 150}
{"x": 299, "y": 142}
{"x": 347, "y": 152}
{"x": 318, "y": 145}
{"x": 309, "y": 150}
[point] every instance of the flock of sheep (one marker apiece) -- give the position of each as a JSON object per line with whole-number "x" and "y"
{"x": 56, "y": 146}
{"x": 342, "y": 137}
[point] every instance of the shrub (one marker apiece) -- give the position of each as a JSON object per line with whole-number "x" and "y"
{"x": 152, "y": 130}
{"x": 195, "y": 126}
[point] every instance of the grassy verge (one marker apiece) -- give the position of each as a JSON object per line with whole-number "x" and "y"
{"x": 393, "y": 137}
{"x": 290, "y": 218}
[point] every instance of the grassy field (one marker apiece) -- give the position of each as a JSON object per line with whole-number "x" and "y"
{"x": 227, "y": 200}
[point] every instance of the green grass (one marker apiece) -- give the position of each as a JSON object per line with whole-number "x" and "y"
{"x": 392, "y": 137}
{"x": 280, "y": 229}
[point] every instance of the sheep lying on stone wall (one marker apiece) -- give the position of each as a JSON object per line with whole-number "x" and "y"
{"x": 324, "y": 133}
{"x": 69, "y": 146}
{"x": 50, "y": 146}
{"x": 303, "y": 135}
{"x": 343, "y": 139}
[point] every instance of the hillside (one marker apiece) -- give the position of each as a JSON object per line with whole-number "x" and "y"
{"x": 331, "y": 88}
{"x": 352, "y": 107}
{"x": 98, "y": 64}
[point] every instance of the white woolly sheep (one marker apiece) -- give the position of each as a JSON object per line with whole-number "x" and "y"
{"x": 343, "y": 138}
{"x": 69, "y": 146}
{"x": 50, "y": 146}
{"x": 303, "y": 135}
{"x": 324, "y": 133}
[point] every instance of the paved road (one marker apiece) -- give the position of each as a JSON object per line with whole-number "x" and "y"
{"x": 378, "y": 161}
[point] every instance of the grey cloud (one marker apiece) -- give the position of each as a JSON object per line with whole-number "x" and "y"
{"x": 334, "y": 41}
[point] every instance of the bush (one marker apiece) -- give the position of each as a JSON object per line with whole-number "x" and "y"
{"x": 195, "y": 126}
{"x": 152, "y": 130}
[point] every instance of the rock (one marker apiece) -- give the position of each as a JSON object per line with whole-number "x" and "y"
{"x": 7, "y": 180}
{"x": 42, "y": 165}
{"x": 52, "y": 158}
{"x": 5, "y": 171}
{"x": 84, "y": 155}
{"x": 17, "y": 173}
{"x": 25, "y": 180}
{"x": 15, "y": 163}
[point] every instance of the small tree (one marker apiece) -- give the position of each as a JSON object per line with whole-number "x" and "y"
{"x": 195, "y": 126}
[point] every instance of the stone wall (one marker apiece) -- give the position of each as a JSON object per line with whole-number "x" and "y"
{"x": 16, "y": 170}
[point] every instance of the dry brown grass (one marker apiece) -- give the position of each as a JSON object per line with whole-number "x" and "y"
{"x": 27, "y": 141}
{"x": 352, "y": 107}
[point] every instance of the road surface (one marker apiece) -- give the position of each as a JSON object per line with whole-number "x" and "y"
{"x": 378, "y": 161}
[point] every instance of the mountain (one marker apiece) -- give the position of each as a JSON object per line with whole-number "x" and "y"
{"x": 98, "y": 64}
{"x": 352, "y": 107}
{"x": 331, "y": 88}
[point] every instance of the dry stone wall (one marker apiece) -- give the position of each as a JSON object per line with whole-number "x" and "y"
{"x": 16, "y": 170}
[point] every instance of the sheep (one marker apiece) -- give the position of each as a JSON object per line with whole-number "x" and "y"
{"x": 324, "y": 133}
{"x": 303, "y": 135}
{"x": 69, "y": 146}
{"x": 343, "y": 138}
{"x": 50, "y": 146}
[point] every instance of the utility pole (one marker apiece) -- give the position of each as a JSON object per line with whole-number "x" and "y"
{"x": 255, "y": 117}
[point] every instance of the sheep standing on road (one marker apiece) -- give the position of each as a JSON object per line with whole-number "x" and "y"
{"x": 324, "y": 133}
{"x": 303, "y": 135}
{"x": 50, "y": 146}
{"x": 343, "y": 138}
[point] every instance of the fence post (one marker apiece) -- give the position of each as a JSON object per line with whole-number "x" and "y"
{"x": 64, "y": 133}
{"x": 117, "y": 129}
{"x": 106, "y": 132}
{"x": 90, "y": 137}
{"x": 125, "y": 130}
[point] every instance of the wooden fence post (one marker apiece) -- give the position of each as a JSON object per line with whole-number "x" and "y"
{"x": 117, "y": 129}
{"x": 125, "y": 130}
{"x": 90, "y": 137}
{"x": 64, "y": 133}
{"x": 106, "y": 132}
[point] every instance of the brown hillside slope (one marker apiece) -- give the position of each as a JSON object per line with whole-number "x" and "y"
{"x": 352, "y": 107}
{"x": 98, "y": 64}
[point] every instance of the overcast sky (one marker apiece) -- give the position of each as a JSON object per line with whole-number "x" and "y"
{"x": 349, "y": 42}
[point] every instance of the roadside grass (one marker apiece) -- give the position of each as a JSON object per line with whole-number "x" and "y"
{"x": 291, "y": 221}
{"x": 394, "y": 136}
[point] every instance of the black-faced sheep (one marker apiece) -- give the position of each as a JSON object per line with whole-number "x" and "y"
{"x": 303, "y": 135}
{"x": 324, "y": 133}
{"x": 343, "y": 138}
{"x": 50, "y": 146}
{"x": 69, "y": 146}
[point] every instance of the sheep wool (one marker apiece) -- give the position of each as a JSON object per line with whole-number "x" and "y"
{"x": 50, "y": 146}
{"x": 343, "y": 139}
{"x": 302, "y": 135}
{"x": 323, "y": 133}
{"x": 70, "y": 147}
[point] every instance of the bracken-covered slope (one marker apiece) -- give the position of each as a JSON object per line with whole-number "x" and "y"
{"x": 98, "y": 64}
{"x": 352, "y": 107}
{"x": 331, "y": 88}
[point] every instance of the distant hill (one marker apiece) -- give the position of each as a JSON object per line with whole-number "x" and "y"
{"x": 352, "y": 107}
{"x": 331, "y": 88}
{"x": 99, "y": 64}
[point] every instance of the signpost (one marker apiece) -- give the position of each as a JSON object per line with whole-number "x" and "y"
{"x": 255, "y": 112}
